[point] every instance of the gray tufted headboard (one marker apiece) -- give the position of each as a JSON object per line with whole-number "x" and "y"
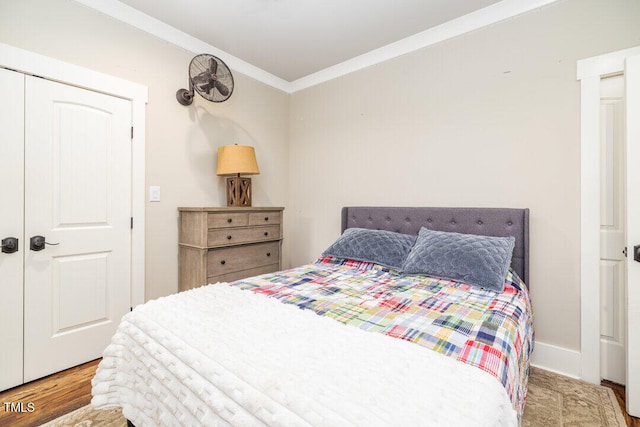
{"x": 485, "y": 221}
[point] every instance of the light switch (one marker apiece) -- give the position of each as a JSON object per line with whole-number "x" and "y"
{"x": 154, "y": 193}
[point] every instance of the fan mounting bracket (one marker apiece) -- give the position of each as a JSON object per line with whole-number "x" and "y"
{"x": 184, "y": 97}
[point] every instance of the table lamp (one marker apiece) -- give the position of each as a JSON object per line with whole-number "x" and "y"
{"x": 237, "y": 160}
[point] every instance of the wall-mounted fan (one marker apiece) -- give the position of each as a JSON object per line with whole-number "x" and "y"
{"x": 210, "y": 77}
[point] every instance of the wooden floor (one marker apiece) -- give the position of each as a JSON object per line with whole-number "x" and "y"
{"x": 43, "y": 400}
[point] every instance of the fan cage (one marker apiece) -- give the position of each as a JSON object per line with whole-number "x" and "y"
{"x": 199, "y": 64}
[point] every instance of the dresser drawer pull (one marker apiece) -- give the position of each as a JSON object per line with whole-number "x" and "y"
{"x": 229, "y": 237}
{"x": 268, "y": 253}
{"x": 266, "y": 218}
{"x": 266, "y": 233}
{"x": 229, "y": 220}
{"x": 223, "y": 262}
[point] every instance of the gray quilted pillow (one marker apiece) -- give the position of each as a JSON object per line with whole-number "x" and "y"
{"x": 476, "y": 260}
{"x": 382, "y": 247}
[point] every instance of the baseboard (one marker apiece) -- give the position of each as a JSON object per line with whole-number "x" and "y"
{"x": 556, "y": 359}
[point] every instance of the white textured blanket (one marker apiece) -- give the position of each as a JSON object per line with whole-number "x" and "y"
{"x": 218, "y": 355}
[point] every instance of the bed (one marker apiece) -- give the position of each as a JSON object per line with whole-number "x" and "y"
{"x": 343, "y": 340}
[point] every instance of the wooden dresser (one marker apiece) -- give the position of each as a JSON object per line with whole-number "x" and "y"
{"x": 225, "y": 244}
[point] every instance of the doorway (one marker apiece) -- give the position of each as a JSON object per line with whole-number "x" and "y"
{"x": 591, "y": 73}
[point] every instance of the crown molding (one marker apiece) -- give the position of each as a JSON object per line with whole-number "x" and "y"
{"x": 155, "y": 27}
{"x": 481, "y": 18}
{"x": 489, "y": 15}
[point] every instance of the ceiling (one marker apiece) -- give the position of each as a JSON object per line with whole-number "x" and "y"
{"x": 291, "y": 41}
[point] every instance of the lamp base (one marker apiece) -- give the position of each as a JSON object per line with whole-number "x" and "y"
{"x": 238, "y": 191}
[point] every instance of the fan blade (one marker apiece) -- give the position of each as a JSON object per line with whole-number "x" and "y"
{"x": 213, "y": 65}
{"x": 204, "y": 85}
{"x": 221, "y": 88}
{"x": 206, "y": 88}
{"x": 202, "y": 78}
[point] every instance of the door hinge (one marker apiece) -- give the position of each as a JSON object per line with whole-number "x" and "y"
{"x": 132, "y": 223}
{"x": 624, "y": 251}
{"x": 130, "y": 308}
{"x": 131, "y": 132}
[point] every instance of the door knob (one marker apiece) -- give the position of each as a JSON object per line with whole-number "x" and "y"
{"x": 636, "y": 253}
{"x": 10, "y": 245}
{"x": 37, "y": 243}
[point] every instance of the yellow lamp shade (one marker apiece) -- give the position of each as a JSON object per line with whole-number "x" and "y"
{"x": 237, "y": 160}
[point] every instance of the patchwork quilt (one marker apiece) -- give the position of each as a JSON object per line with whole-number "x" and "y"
{"x": 486, "y": 329}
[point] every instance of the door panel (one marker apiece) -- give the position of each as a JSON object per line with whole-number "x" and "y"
{"x": 81, "y": 194}
{"x": 79, "y": 278}
{"x": 77, "y": 186}
{"x": 11, "y": 225}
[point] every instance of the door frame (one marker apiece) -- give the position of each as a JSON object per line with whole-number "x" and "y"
{"x": 589, "y": 72}
{"x": 27, "y": 62}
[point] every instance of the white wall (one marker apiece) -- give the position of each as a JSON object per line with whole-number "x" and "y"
{"x": 181, "y": 141}
{"x": 491, "y": 118}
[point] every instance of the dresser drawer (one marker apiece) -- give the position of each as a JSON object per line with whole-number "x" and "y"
{"x": 224, "y": 220}
{"x": 234, "y": 236}
{"x": 238, "y": 258}
{"x": 230, "y": 277}
{"x": 264, "y": 218}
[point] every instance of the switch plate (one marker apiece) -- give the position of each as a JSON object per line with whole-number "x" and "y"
{"x": 154, "y": 193}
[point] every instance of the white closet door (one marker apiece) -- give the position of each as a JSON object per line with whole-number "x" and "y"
{"x": 612, "y": 231}
{"x": 78, "y": 196}
{"x": 11, "y": 225}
